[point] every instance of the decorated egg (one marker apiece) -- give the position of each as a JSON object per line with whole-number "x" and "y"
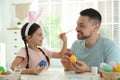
{"x": 112, "y": 63}
{"x": 2, "y": 69}
{"x": 107, "y": 68}
{"x": 117, "y": 68}
{"x": 102, "y": 64}
{"x": 42, "y": 63}
{"x": 0, "y": 72}
{"x": 73, "y": 59}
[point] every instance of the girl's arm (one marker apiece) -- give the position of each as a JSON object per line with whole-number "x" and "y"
{"x": 35, "y": 71}
{"x": 64, "y": 47}
{"x": 18, "y": 60}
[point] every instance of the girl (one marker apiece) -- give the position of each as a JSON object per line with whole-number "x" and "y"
{"x": 30, "y": 56}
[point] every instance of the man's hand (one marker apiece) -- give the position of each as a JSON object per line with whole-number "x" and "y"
{"x": 66, "y": 60}
{"x": 80, "y": 67}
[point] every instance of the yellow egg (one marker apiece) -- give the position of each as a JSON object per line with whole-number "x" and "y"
{"x": 117, "y": 68}
{"x": 0, "y": 72}
{"x": 73, "y": 59}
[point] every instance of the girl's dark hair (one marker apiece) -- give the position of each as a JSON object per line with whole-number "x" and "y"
{"x": 31, "y": 31}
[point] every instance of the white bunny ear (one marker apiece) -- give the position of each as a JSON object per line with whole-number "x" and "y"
{"x": 38, "y": 15}
{"x": 33, "y": 18}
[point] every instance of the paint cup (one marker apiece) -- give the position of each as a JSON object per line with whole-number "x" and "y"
{"x": 94, "y": 70}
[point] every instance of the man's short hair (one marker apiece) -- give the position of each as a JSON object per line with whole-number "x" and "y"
{"x": 92, "y": 14}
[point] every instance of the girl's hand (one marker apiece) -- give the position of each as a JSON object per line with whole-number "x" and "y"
{"x": 63, "y": 37}
{"x": 36, "y": 71}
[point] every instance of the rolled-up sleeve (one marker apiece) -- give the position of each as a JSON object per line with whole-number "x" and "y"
{"x": 22, "y": 53}
{"x": 48, "y": 53}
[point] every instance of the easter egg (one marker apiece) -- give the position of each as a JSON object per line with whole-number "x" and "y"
{"x": 102, "y": 64}
{"x": 112, "y": 63}
{"x": 42, "y": 63}
{"x": 118, "y": 78}
{"x": 2, "y": 69}
{"x": 73, "y": 59}
{"x": 107, "y": 68}
{"x": 0, "y": 72}
{"x": 117, "y": 68}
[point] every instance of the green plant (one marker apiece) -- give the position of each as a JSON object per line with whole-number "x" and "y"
{"x": 19, "y": 23}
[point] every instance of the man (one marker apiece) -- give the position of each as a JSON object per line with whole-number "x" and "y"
{"x": 91, "y": 48}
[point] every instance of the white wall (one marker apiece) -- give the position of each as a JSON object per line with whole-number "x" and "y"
{"x": 6, "y": 12}
{"x": 6, "y": 9}
{"x": 0, "y": 13}
{"x": 6, "y": 15}
{"x": 2, "y": 55}
{"x": 0, "y": 18}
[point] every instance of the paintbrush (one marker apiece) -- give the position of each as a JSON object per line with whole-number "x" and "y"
{"x": 69, "y": 31}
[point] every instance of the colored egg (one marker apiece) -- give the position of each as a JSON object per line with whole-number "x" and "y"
{"x": 42, "y": 63}
{"x": 117, "y": 68}
{"x": 118, "y": 78}
{"x": 2, "y": 69}
{"x": 0, "y": 72}
{"x": 73, "y": 59}
{"x": 102, "y": 64}
{"x": 107, "y": 68}
{"x": 112, "y": 63}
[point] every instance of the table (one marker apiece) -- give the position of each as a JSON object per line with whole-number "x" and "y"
{"x": 60, "y": 74}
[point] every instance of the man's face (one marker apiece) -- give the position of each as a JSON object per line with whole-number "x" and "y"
{"x": 85, "y": 27}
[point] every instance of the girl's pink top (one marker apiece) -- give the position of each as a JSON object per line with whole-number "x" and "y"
{"x": 34, "y": 58}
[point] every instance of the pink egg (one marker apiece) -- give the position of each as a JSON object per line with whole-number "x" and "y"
{"x": 112, "y": 63}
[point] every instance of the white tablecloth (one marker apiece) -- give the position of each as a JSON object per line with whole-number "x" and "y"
{"x": 59, "y": 74}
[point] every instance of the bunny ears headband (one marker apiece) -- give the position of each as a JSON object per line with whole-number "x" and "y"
{"x": 33, "y": 17}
